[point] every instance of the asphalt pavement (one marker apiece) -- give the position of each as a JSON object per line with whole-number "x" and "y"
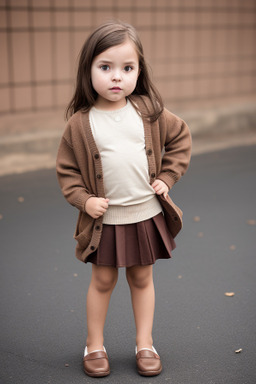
{"x": 197, "y": 329}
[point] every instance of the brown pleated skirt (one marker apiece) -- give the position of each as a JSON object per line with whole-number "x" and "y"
{"x": 134, "y": 244}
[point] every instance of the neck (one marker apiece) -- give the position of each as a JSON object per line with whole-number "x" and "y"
{"x": 109, "y": 105}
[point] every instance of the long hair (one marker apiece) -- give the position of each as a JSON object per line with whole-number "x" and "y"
{"x": 104, "y": 37}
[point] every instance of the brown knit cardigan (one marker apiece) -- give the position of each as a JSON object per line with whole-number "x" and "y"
{"x": 79, "y": 168}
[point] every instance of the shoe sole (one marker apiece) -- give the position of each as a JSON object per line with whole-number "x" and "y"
{"x": 100, "y": 374}
{"x": 150, "y": 373}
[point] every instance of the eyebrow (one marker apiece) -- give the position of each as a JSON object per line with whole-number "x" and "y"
{"x": 110, "y": 62}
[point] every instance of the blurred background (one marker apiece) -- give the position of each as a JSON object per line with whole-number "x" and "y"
{"x": 202, "y": 54}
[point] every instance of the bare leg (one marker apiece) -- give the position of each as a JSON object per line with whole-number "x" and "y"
{"x": 140, "y": 280}
{"x": 102, "y": 284}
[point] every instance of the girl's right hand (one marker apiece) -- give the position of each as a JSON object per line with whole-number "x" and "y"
{"x": 96, "y": 206}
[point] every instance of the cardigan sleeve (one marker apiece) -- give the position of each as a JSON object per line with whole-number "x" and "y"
{"x": 69, "y": 176}
{"x": 176, "y": 139}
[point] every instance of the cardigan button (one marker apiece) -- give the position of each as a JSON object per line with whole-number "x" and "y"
{"x": 153, "y": 175}
{"x": 96, "y": 156}
{"x": 98, "y": 176}
{"x": 149, "y": 152}
{"x": 92, "y": 247}
{"x": 97, "y": 227}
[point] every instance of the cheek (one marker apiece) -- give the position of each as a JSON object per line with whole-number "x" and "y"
{"x": 93, "y": 82}
{"x": 95, "y": 79}
{"x": 133, "y": 81}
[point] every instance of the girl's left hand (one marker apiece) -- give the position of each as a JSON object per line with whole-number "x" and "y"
{"x": 160, "y": 188}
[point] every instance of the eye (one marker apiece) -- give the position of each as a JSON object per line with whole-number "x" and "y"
{"x": 128, "y": 68}
{"x": 104, "y": 67}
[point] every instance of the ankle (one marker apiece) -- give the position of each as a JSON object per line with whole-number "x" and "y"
{"x": 96, "y": 346}
{"x": 144, "y": 344}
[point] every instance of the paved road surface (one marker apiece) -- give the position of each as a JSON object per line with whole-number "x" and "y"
{"x": 197, "y": 328}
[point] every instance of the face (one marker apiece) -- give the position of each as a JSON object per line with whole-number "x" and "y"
{"x": 114, "y": 75}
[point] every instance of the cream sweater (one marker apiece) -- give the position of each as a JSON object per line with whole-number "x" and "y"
{"x": 119, "y": 136}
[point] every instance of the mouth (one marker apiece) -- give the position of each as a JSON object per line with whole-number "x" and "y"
{"x": 115, "y": 89}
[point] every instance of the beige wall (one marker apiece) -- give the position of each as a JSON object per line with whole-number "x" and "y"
{"x": 202, "y": 52}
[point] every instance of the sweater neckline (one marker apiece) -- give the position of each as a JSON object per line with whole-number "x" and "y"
{"x": 113, "y": 112}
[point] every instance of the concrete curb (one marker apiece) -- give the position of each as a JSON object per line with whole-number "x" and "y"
{"x": 219, "y": 121}
{"x": 34, "y": 148}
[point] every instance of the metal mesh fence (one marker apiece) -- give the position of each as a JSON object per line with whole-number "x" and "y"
{"x": 202, "y": 52}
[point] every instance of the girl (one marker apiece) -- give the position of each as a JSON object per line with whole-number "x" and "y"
{"x": 110, "y": 166}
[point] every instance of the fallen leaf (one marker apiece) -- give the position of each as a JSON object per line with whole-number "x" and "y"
{"x": 20, "y": 199}
{"x": 251, "y": 222}
{"x": 232, "y": 247}
{"x": 229, "y": 294}
{"x": 1, "y": 217}
{"x": 238, "y": 350}
{"x": 197, "y": 219}
{"x": 66, "y": 365}
{"x": 75, "y": 274}
{"x": 200, "y": 234}
{"x": 179, "y": 277}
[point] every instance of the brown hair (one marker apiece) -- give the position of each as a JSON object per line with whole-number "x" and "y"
{"x": 106, "y": 36}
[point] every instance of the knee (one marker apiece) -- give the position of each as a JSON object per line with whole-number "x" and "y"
{"x": 139, "y": 277}
{"x": 105, "y": 281}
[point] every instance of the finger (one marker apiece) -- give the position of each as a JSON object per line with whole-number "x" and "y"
{"x": 156, "y": 187}
{"x": 103, "y": 199}
{"x": 103, "y": 206}
{"x": 163, "y": 192}
{"x": 155, "y": 184}
{"x": 159, "y": 190}
{"x": 103, "y": 202}
{"x": 100, "y": 212}
{"x": 102, "y": 209}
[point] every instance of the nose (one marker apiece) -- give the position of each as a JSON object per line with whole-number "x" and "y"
{"x": 116, "y": 75}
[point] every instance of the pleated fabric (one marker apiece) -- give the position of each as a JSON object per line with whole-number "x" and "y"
{"x": 134, "y": 244}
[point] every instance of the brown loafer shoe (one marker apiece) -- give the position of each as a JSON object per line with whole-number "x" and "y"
{"x": 96, "y": 364}
{"x": 148, "y": 363}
